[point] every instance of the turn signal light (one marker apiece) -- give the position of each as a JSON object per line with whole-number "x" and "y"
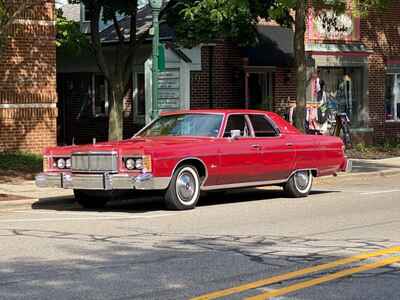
{"x": 45, "y": 163}
{"x": 147, "y": 164}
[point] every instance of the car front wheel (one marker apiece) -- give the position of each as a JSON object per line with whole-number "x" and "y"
{"x": 299, "y": 185}
{"x": 184, "y": 190}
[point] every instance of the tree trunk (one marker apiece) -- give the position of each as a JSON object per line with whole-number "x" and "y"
{"x": 116, "y": 111}
{"x": 300, "y": 62}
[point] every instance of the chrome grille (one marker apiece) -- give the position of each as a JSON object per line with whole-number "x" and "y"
{"x": 94, "y": 162}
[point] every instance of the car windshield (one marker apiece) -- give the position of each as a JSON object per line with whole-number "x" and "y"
{"x": 207, "y": 125}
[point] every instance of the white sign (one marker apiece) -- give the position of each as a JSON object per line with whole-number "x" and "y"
{"x": 332, "y": 26}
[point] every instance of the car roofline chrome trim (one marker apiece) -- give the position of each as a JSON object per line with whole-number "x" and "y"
{"x": 137, "y": 135}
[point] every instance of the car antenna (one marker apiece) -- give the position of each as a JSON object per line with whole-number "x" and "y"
{"x": 73, "y": 141}
{"x": 94, "y": 141}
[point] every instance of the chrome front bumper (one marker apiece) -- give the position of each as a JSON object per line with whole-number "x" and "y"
{"x": 105, "y": 181}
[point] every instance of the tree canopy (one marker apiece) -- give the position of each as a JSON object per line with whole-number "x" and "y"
{"x": 70, "y": 40}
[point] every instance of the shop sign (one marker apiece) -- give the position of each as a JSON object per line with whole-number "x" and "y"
{"x": 329, "y": 25}
{"x": 169, "y": 90}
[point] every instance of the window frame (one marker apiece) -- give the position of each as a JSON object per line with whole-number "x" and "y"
{"x": 396, "y": 113}
{"x": 138, "y": 118}
{"x": 93, "y": 96}
{"x": 83, "y": 14}
{"x": 273, "y": 125}
{"x": 247, "y": 119}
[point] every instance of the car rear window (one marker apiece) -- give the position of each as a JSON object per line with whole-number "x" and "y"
{"x": 262, "y": 126}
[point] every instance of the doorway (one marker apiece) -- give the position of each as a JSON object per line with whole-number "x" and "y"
{"x": 259, "y": 91}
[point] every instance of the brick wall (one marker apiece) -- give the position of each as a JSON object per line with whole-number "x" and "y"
{"x": 28, "y": 96}
{"x": 228, "y": 91}
{"x": 284, "y": 89}
{"x": 379, "y": 31}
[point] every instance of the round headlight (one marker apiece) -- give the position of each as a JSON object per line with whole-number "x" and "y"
{"x": 68, "y": 163}
{"x": 139, "y": 164}
{"x": 130, "y": 164}
{"x": 61, "y": 163}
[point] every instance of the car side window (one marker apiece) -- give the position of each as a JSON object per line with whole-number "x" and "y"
{"x": 237, "y": 122}
{"x": 262, "y": 126}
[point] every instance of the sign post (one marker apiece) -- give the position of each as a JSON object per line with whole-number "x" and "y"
{"x": 155, "y": 7}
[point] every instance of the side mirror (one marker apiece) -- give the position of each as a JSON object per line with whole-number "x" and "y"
{"x": 235, "y": 134}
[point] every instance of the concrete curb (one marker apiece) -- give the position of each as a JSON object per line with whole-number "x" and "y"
{"x": 25, "y": 202}
{"x": 390, "y": 172}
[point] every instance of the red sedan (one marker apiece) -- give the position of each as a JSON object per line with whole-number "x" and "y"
{"x": 185, "y": 153}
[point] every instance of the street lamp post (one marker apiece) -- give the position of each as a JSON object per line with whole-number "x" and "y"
{"x": 155, "y": 7}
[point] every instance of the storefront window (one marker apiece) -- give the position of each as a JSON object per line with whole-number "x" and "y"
{"x": 100, "y": 96}
{"x": 342, "y": 89}
{"x": 141, "y": 97}
{"x": 392, "y": 97}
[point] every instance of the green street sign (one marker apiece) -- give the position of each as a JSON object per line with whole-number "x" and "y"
{"x": 161, "y": 58}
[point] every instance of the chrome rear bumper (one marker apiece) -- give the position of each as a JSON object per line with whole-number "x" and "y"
{"x": 105, "y": 181}
{"x": 349, "y": 166}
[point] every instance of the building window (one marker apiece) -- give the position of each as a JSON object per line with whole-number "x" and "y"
{"x": 260, "y": 90}
{"x": 141, "y": 94}
{"x": 342, "y": 90}
{"x": 99, "y": 95}
{"x": 392, "y": 97}
{"x": 86, "y": 14}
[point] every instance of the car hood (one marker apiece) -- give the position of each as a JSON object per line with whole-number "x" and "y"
{"x": 137, "y": 144}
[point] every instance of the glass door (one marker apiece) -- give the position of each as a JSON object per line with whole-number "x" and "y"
{"x": 342, "y": 88}
{"x": 392, "y": 97}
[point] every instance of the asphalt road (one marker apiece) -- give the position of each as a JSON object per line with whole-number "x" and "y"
{"x": 342, "y": 242}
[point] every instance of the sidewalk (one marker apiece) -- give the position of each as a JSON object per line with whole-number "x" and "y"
{"x": 369, "y": 165}
{"x": 27, "y": 191}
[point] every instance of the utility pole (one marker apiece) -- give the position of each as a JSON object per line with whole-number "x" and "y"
{"x": 155, "y": 7}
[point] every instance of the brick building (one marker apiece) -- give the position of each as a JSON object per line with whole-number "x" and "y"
{"x": 358, "y": 64}
{"x": 352, "y": 66}
{"x": 28, "y": 98}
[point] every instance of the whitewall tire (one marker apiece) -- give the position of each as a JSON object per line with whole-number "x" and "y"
{"x": 299, "y": 185}
{"x": 184, "y": 190}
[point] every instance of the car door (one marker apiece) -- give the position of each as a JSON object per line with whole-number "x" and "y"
{"x": 239, "y": 157}
{"x": 277, "y": 150}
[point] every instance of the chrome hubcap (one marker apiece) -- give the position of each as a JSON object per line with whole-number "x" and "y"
{"x": 302, "y": 180}
{"x": 186, "y": 186}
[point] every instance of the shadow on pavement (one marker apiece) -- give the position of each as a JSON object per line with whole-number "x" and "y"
{"x": 155, "y": 202}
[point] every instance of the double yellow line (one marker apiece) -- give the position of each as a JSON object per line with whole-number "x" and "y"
{"x": 292, "y": 275}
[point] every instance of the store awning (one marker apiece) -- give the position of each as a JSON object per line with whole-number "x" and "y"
{"x": 275, "y": 47}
